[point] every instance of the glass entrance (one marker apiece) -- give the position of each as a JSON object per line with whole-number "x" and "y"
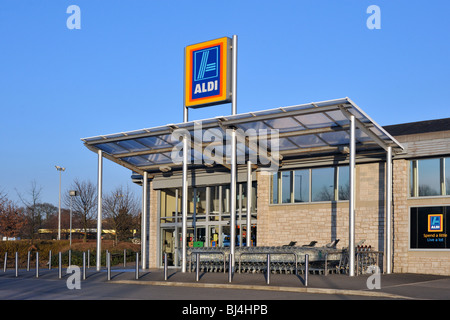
{"x": 208, "y": 219}
{"x": 168, "y": 246}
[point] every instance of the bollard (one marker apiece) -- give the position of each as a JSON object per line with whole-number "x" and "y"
{"x": 17, "y": 264}
{"x": 165, "y": 266}
{"x": 59, "y": 265}
{"x": 230, "y": 271}
{"x": 306, "y": 269}
{"x": 28, "y": 261}
{"x": 268, "y": 269}
{"x": 37, "y": 264}
{"x": 124, "y": 258}
{"x": 108, "y": 265}
{"x": 6, "y": 260}
{"x": 50, "y": 260}
{"x": 89, "y": 259}
{"x": 84, "y": 265}
{"x": 197, "y": 266}
{"x": 137, "y": 266}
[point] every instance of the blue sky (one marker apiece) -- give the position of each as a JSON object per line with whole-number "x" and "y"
{"x": 123, "y": 70}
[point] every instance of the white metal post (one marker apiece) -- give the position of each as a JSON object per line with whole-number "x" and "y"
{"x": 234, "y": 76}
{"x": 60, "y": 169}
{"x": 233, "y": 196}
{"x": 70, "y": 224}
{"x": 59, "y": 209}
{"x": 184, "y": 196}
{"x": 99, "y": 208}
{"x": 233, "y": 154}
{"x": 351, "y": 244}
{"x": 144, "y": 219}
{"x": 389, "y": 210}
{"x": 249, "y": 202}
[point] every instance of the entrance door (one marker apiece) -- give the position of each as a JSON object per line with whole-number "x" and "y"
{"x": 168, "y": 246}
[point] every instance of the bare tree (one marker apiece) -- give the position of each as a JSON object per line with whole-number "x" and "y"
{"x": 33, "y": 215}
{"x": 11, "y": 218}
{"x": 84, "y": 204}
{"x": 3, "y": 196}
{"x": 121, "y": 208}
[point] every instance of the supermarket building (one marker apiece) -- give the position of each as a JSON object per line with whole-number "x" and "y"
{"x": 314, "y": 172}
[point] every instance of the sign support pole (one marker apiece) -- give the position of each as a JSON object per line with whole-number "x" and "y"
{"x": 233, "y": 153}
{"x": 184, "y": 192}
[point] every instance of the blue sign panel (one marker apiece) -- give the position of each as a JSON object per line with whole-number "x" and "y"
{"x": 206, "y": 72}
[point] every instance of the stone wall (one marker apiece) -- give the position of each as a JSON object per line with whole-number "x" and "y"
{"x": 278, "y": 224}
{"x": 406, "y": 260}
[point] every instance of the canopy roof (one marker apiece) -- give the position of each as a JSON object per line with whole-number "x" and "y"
{"x": 303, "y": 130}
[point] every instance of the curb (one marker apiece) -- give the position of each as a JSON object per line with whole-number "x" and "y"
{"x": 364, "y": 293}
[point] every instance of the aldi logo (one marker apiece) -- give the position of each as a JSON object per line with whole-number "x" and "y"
{"x": 435, "y": 222}
{"x": 207, "y": 73}
{"x": 205, "y": 64}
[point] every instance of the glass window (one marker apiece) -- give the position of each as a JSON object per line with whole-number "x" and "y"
{"x": 412, "y": 182}
{"x": 226, "y": 199}
{"x": 214, "y": 199}
{"x": 275, "y": 188}
{"x": 286, "y": 186}
{"x": 168, "y": 205}
{"x": 200, "y": 193}
{"x": 301, "y": 186}
{"x": 244, "y": 197}
{"x": 447, "y": 176}
{"x": 429, "y": 177}
{"x": 254, "y": 195}
{"x": 322, "y": 184}
{"x": 343, "y": 182}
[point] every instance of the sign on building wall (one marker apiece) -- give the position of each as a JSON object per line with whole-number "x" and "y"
{"x": 429, "y": 227}
{"x": 208, "y": 73}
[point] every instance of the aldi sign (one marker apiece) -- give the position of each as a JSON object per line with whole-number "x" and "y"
{"x": 429, "y": 227}
{"x": 208, "y": 73}
{"x": 435, "y": 222}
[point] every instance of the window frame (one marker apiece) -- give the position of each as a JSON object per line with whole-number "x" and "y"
{"x": 414, "y": 178}
{"x": 278, "y": 182}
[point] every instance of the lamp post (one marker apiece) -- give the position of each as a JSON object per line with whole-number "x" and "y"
{"x": 72, "y": 193}
{"x": 60, "y": 169}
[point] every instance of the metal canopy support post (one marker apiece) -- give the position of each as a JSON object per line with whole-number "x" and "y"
{"x": 351, "y": 223}
{"x": 144, "y": 219}
{"x": 99, "y": 208}
{"x": 233, "y": 197}
{"x": 389, "y": 210}
{"x": 233, "y": 154}
{"x": 184, "y": 196}
{"x": 249, "y": 203}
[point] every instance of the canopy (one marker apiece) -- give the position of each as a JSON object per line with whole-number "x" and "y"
{"x": 302, "y": 130}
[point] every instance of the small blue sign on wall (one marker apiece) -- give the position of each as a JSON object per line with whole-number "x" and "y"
{"x": 435, "y": 222}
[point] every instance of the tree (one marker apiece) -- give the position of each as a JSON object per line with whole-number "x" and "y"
{"x": 121, "y": 207}
{"x": 33, "y": 215}
{"x": 11, "y": 218}
{"x": 84, "y": 204}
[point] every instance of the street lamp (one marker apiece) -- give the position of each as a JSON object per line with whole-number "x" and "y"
{"x": 72, "y": 193}
{"x": 59, "y": 212}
